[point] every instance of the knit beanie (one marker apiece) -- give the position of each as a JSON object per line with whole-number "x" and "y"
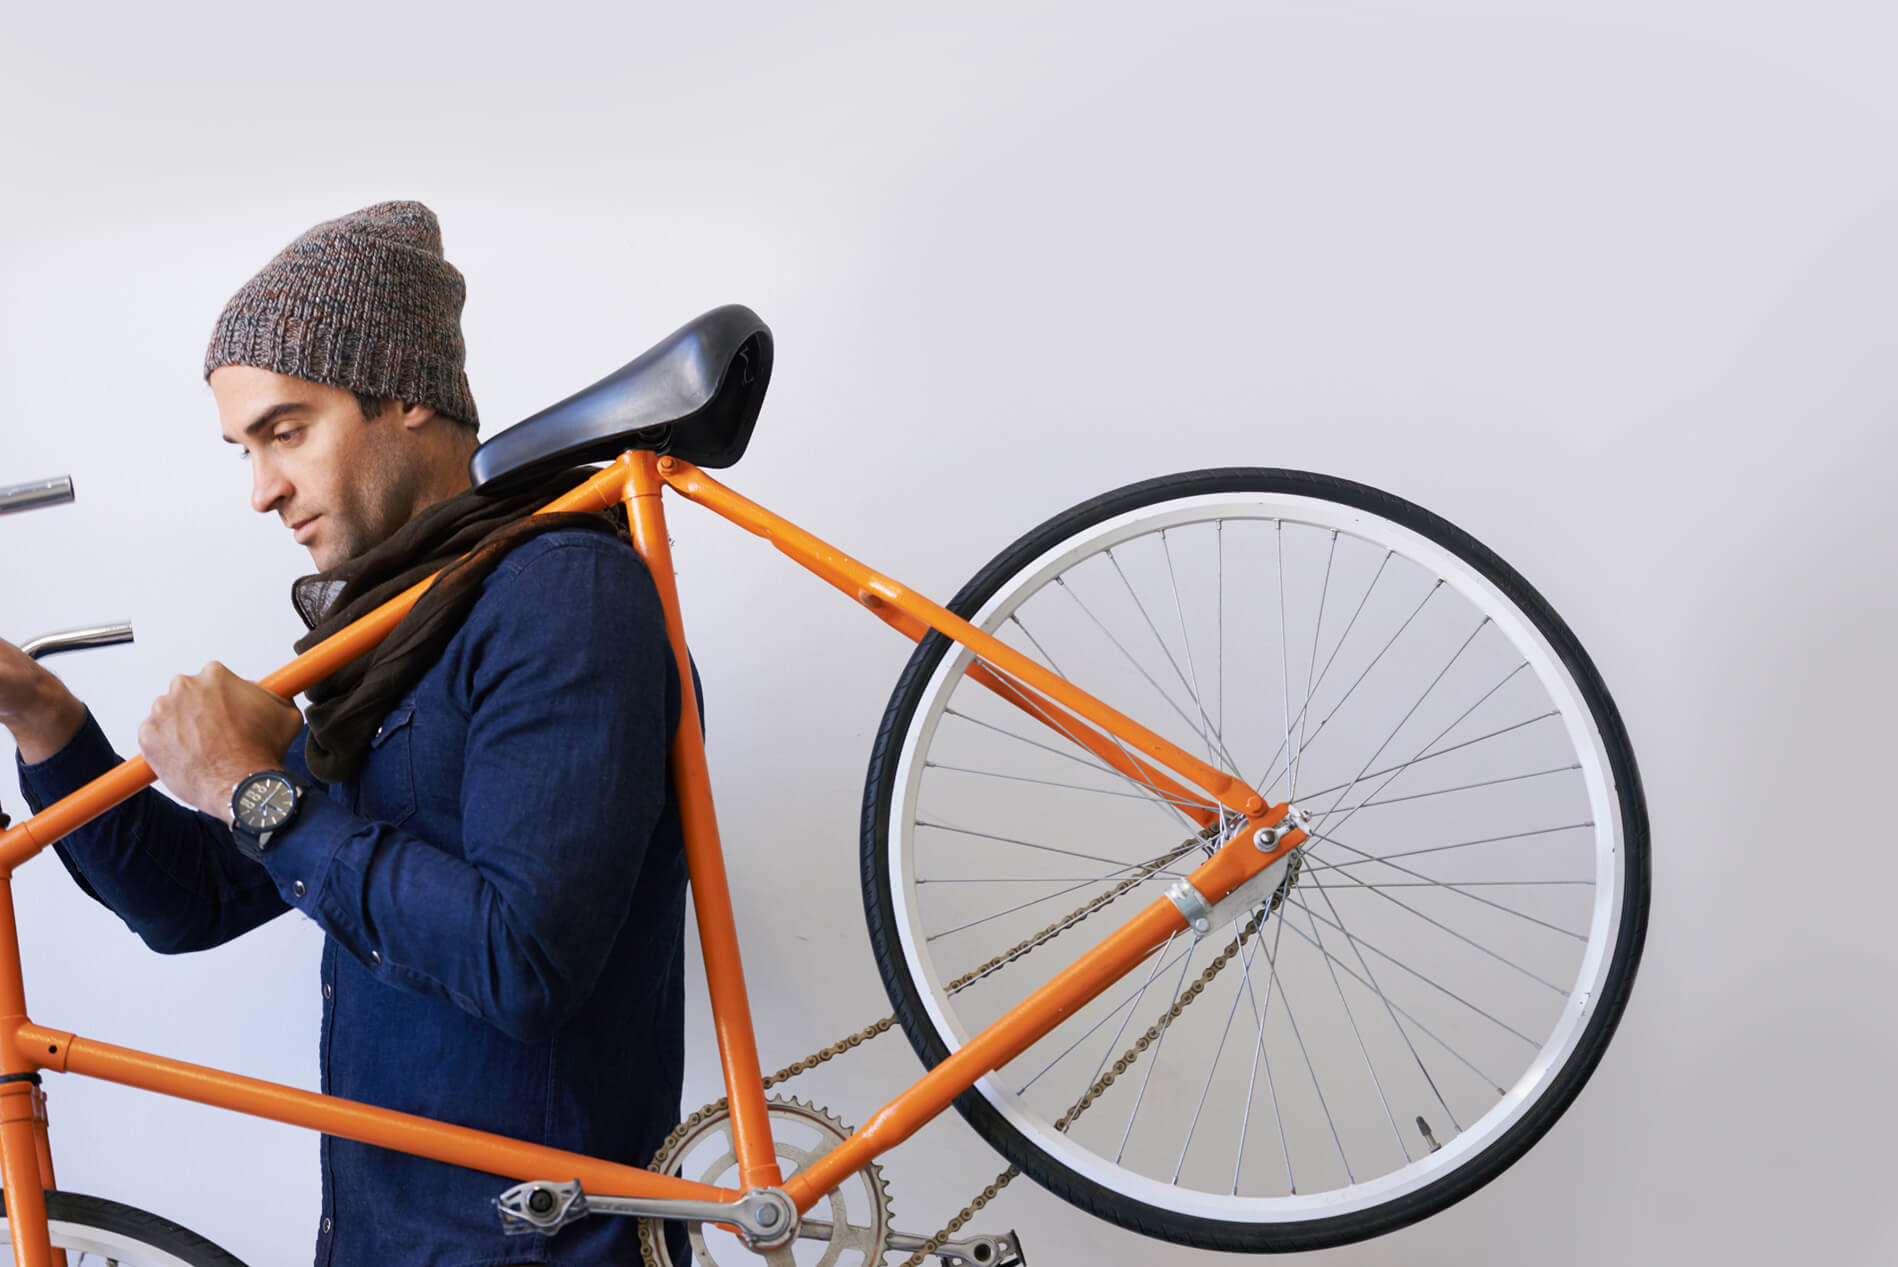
{"x": 365, "y": 302}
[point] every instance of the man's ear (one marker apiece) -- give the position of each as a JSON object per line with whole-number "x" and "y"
{"x": 415, "y": 416}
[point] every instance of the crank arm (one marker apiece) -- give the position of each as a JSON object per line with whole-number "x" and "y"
{"x": 764, "y": 1218}
{"x": 974, "y": 1251}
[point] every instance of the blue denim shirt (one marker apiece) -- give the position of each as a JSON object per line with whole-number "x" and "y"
{"x": 503, "y": 889}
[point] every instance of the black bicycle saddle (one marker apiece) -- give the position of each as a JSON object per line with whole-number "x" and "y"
{"x": 695, "y": 394}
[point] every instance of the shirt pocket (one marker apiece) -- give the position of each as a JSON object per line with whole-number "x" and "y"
{"x": 387, "y": 791}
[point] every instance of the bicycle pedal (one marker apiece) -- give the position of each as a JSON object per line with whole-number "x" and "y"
{"x": 973, "y": 1251}
{"x": 540, "y": 1208}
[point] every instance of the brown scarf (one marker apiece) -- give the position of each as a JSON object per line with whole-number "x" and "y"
{"x": 465, "y": 538}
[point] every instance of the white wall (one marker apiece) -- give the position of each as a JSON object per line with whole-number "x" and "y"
{"x": 1613, "y": 286}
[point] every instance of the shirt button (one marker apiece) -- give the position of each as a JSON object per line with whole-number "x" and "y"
{"x": 375, "y": 956}
{"x": 327, "y": 992}
{"x": 298, "y": 888}
{"x": 326, "y": 1227}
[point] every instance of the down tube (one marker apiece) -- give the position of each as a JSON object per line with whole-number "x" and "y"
{"x": 705, "y": 860}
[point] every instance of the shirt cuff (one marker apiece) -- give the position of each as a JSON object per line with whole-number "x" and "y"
{"x": 299, "y": 856}
{"x": 86, "y": 756}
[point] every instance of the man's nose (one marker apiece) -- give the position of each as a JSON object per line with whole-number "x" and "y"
{"x": 268, "y": 487}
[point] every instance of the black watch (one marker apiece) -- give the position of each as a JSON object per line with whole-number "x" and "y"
{"x": 262, "y": 805}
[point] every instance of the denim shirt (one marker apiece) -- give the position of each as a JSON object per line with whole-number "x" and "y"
{"x": 503, "y": 889}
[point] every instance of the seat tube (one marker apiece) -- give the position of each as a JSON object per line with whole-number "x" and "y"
{"x": 25, "y": 1157}
{"x": 711, "y": 890}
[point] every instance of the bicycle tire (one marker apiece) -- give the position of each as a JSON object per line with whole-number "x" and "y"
{"x": 1575, "y": 1033}
{"x": 120, "y": 1233}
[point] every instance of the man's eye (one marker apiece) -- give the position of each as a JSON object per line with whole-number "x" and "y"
{"x": 287, "y": 436}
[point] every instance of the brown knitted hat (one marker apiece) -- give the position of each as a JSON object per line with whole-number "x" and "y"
{"x": 365, "y": 302}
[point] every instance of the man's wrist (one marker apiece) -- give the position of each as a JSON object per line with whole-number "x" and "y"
{"x": 50, "y": 725}
{"x": 238, "y": 769}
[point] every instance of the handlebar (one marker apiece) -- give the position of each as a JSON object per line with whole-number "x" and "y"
{"x": 34, "y": 495}
{"x": 78, "y": 639}
{"x": 54, "y": 492}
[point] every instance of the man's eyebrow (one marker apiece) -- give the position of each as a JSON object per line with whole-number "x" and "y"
{"x": 269, "y": 416}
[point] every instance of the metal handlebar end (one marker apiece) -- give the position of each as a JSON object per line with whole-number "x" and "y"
{"x": 34, "y": 495}
{"x": 78, "y": 639}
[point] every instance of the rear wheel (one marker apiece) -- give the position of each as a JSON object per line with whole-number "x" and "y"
{"x": 94, "y": 1230}
{"x": 1439, "y": 967}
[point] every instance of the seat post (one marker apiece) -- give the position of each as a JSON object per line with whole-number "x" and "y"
{"x": 705, "y": 860}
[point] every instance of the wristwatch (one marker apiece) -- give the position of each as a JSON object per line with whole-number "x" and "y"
{"x": 262, "y": 805}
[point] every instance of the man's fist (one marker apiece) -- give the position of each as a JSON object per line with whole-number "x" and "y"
{"x": 212, "y": 729}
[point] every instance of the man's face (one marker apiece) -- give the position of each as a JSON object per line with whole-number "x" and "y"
{"x": 339, "y": 482}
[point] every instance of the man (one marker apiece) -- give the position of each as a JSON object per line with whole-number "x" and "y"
{"x": 478, "y": 813}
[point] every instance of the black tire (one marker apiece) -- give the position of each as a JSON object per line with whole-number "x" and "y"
{"x": 133, "y": 1237}
{"x": 1620, "y": 933}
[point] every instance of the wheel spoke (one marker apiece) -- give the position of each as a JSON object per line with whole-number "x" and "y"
{"x": 1207, "y": 733}
{"x": 1094, "y": 764}
{"x": 1331, "y": 966}
{"x": 1434, "y": 739}
{"x": 1114, "y": 1042}
{"x": 1166, "y": 1023}
{"x": 1220, "y": 1050}
{"x": 1119, "y": 863}
{"x": 1461, "y": 844}
{"x": 1471, "y": 942}
{"x": 1421, "y": 1027}
{"x": 1076, "y": 787}
{"x": 1466, "y": 787}
{"x": 1427, "y": 980}
{"x": 1138, "y": 667}
{"x": 1258, "y": 1056}
{"x": 1132, "y": 998}
{"x": 1442, "y": 752}
{"x": 1454, "y": 888}
{"x": 1353, "y": 688}
{"x": 1285, "y": 689}
{"x": 1371, "y": 979}
{"x": 1163, "y": 799}
{"x": 1404, "y": 720}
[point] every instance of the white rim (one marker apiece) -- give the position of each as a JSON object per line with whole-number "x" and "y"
{"x": 81, "y": 1238}
{"x": 1576, "y": 717}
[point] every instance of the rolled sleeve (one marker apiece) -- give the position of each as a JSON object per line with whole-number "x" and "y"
{"x": 169, "y": 872}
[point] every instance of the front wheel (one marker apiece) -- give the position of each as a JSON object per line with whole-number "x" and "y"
{"x": 1434, "y": 973}
{"x": 92, "y": 1229}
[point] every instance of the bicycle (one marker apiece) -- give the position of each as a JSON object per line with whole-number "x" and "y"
{"x": 1420, "y": 874}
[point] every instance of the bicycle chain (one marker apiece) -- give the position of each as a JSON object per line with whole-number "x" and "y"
{"x": 1143, "y": 871}
{"x": 1119, "y": 1067}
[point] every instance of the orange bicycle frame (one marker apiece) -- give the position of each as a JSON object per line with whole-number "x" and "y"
{"x": 638, "y": 480}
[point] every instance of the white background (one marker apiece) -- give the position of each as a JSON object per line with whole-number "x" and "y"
{"x": 1614, "y": 286}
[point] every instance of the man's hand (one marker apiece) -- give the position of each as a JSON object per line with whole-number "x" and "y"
{"x": 36, "y": 706}
{"x": 211, "y": 730}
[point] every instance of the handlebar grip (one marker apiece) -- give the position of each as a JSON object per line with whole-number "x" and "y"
{"x": 37, "y": 493}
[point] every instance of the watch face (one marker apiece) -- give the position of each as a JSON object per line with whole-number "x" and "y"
{"x": 265, "y": 802}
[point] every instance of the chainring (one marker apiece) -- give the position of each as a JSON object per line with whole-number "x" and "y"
{"x": 704, "y": 1144}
